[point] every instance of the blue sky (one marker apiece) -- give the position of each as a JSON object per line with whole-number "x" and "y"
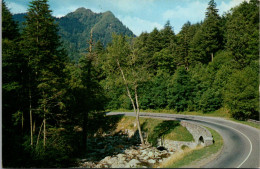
{"x": 137, "y": 15}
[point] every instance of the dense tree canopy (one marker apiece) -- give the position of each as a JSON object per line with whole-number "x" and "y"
{"x": 52, "y": 105}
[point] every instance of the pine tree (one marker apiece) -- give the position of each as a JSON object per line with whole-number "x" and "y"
{"x": 12, "y": 112}
{"x": 208, "y": 39}
{"x": 46, "y": 60}
{"x": 11, "y": 62}
{"x": 168, "y": 35}
{"x": 10, "y": 27}
{"x": 211, "y": 28}
{"x": 179, "y": 90}
{"x": 184, "y": 40}
{"x": 242, "y": 93}
{"x": 243, "y": 33}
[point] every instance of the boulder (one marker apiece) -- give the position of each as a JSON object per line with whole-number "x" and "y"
{"x": 150, "y": 154}
{"x": 118, "y": 165}
{"x": 151, "y": 161}
{"x": 106, "y": 159}
{"x": 132, "y": 163}
{"x": 112, "y": 160}
{"x": 121, "y": 158}
{"x": 146, "y": 158}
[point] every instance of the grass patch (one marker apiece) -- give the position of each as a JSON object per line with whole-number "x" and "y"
{"x": 155, "y": 128}
{"x": 189, "y": 156}
{"x": 179, "y": 133}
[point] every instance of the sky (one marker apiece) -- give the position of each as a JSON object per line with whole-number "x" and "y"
{"x": 138, "y": 15}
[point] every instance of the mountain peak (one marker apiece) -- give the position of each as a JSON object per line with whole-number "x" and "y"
{"x": 75, "y": 27}
{"x": 83, "y": 10}
{"x": 108, "y": 13}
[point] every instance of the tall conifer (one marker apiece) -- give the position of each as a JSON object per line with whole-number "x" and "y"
{"x": 46, "y": 59}
{"x": 207, "y": 40}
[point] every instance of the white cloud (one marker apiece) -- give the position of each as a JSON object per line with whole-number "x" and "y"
{"x": 138, "y": 25}
{"x": 131, "y": 5}
{"x": 195, "y": 11}
{"x": 225, "y": 7}
{"x": 16, "y": 8}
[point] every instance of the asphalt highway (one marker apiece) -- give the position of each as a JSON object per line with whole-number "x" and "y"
{"x": 241, "y": 142}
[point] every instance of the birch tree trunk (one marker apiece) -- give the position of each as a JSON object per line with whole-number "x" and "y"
{"x": 136, "y": 108}
{"x": 44, "y": 127}
{"x": 30, "y": 110}
{"x": 137, "y": 116}
{"x": 39, "y": 133}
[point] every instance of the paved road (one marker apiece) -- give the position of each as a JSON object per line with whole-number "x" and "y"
{"x": 241, "y": 142}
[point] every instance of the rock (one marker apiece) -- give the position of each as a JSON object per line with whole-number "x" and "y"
{"x": 152, "y": 161}
{"x": 146, "y": 158}
{"x": 132, "y": 163}
{"x": 106, "y": 159}
{"x": 99, "y": 166}
{"x": 83, "y": 160}
{"x": 150, "y": 154}
{"x": 118, "y": 165}
{"x": 121, "y": 158}
{"x": 88, "y": 164}
{"x": 112, "y": 160}
{"x": 120, "y": 155}
{"x": 144, "y": 152}
{"x": 156, "y": 154}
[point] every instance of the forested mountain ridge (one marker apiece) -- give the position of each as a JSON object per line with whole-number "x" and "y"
{"x": 75, "y": 27}
{"x": 52, "y": 105}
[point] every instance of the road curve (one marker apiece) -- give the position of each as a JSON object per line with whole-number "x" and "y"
{"x": 241, "y": 142}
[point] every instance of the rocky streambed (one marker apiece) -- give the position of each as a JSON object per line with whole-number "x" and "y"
{"x": 136, "y": 156}
{"x": 121, "y": 148}
{"x": 121, "y": 151}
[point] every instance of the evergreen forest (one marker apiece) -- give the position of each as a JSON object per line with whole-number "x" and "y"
{"x": 51, "y": 104}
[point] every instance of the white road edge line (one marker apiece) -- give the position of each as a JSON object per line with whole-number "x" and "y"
{"x": 251, "y": 147}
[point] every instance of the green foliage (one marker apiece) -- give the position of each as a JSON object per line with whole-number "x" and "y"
{"x": 154, "y": 94}
{"x": 210, "y": 100}
{"x": 161, "y": 130}
{"x": 208, "y": 39}
{"x": 45, "y": 60}
{"x": 243, "y": 33}
{"x": 75, "y": 28}
{"x": 206, "y": 67}
{"x": 242, "y": 95}
{"x": 165, "y": 61}
{"x": 56, "y": 154}
{"x": 10, "y": 27}
{"x": 199, "y": 154}
{"x": 184, "y": 39}
{"x": 179, "y": 90}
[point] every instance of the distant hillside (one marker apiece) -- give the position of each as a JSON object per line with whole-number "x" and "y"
{"x": 75, "y": 29}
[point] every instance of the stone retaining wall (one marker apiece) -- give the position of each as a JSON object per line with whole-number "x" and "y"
{"x": 200, "y": 134}
{"x": 175, "y": 145}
